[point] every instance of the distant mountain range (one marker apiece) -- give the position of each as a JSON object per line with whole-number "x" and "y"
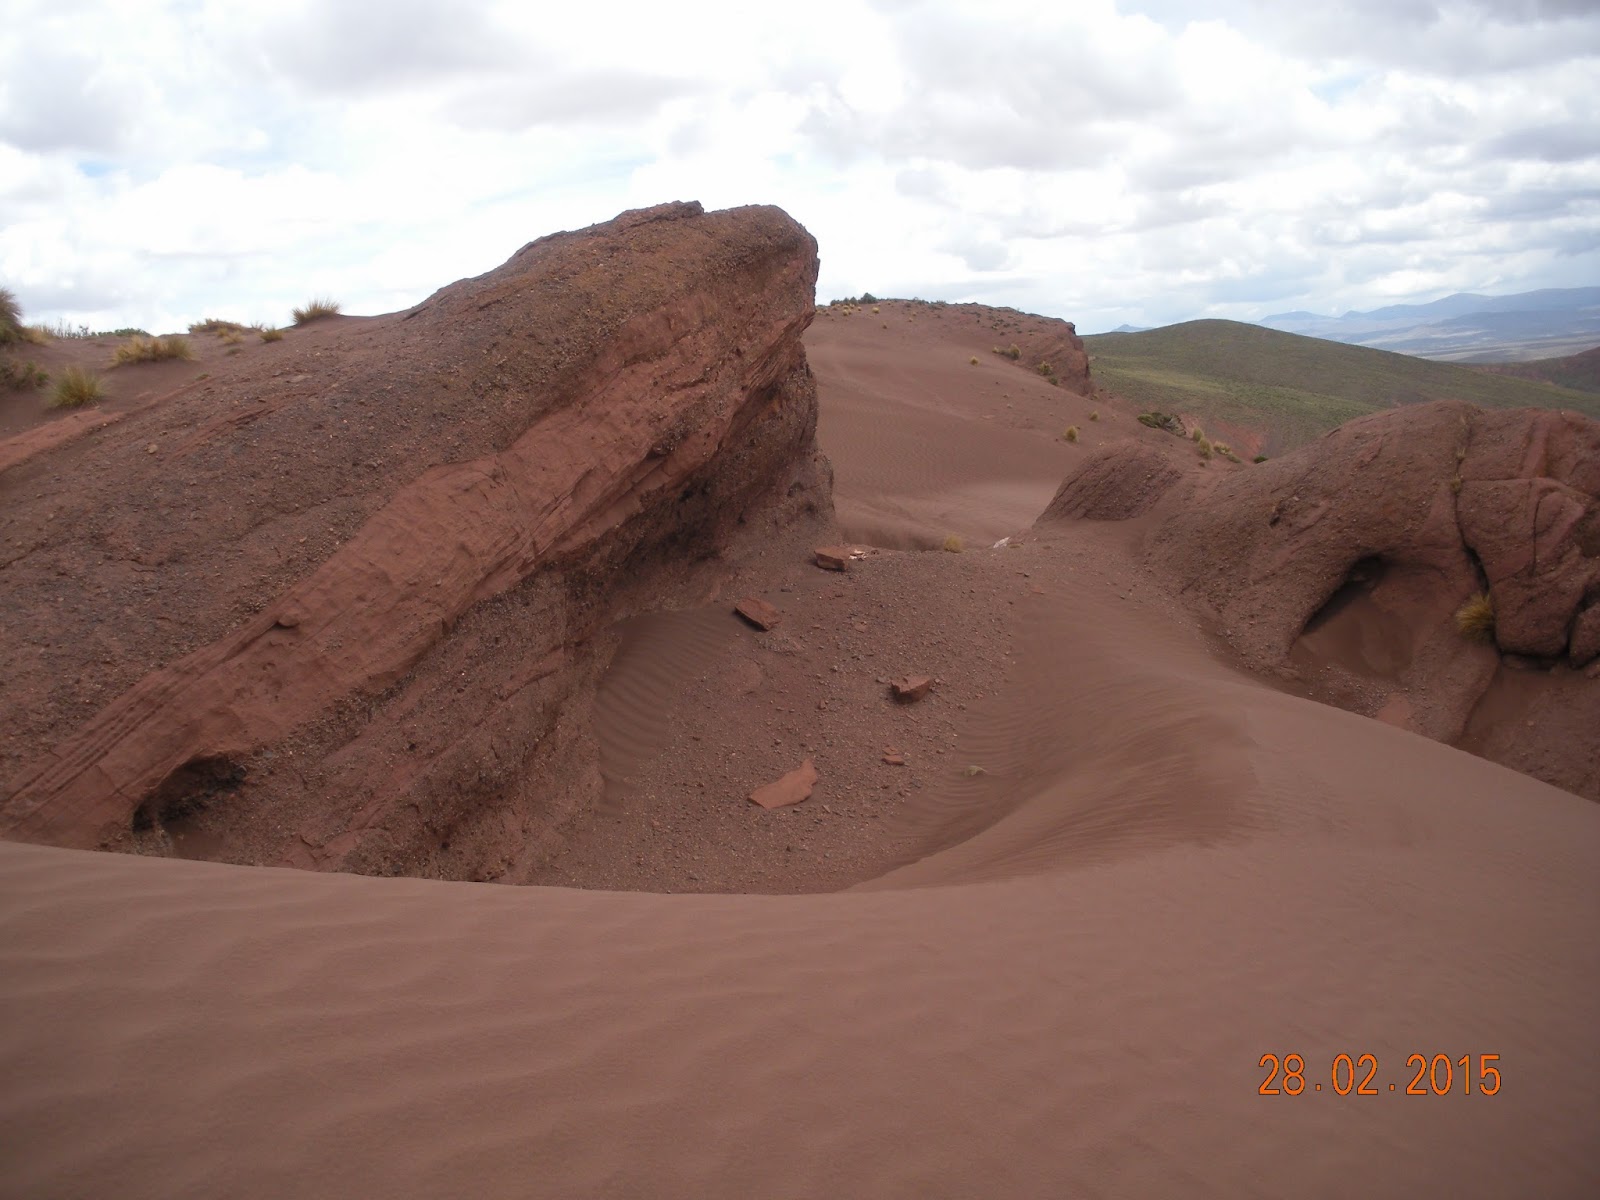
{"x": 1465, "y": 327}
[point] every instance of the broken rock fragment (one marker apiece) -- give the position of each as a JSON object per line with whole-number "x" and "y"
{"x": 911, "y": 688}
{"x": 758, "y": 612}
{"x": 833, "y": 558}
{"x": 787, "y": 789}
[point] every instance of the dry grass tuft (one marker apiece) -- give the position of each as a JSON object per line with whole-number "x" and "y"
{"x": 149, "y": 349}
{"x": 1475, "y": 618}
{"x": 316, "y": 309}
{"x": 1095, "y": 415}
{"x": 272, "y": 335}
{"x": 973, "y": 360}
{"x": 954, "y": 544}
{"x": 218, "y": 326}
{"x": 75, "y": 388}
{"x": 1071, "y": 434}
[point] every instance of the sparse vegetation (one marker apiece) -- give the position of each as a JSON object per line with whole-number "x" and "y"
{"x": 21, "y": 377}
{"x": 1095, "y": 415}
{"x": 315, "y": 310}
{"x": 973, "y": 360}
{"x": 1455, "y": 485}
{"x": 1260, "y": 458}
{"x": 149, "y": 349}
{"x": 1163, "y": 421}
{"x": 1013, "y": 352}
{"x": 75, "y": 388}
{"x": 1475, "y": 618}
{"x": 954, "y": 544}
{"x": 272, "y": 335}
{"x": 10, "y": 318}
{"x": 1071, "y": 433}
{"x": 231, "y": 337}
{"x": 1045, "y": 369}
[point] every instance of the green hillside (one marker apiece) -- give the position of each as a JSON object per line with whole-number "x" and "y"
{"x": 1581, "y": 372}
{"x": 1292, "y": 388}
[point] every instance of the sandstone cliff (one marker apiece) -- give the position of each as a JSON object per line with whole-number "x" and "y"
{"x": 353, "y": 598}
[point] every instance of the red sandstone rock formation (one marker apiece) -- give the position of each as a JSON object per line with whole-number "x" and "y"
{"x": 352, "y": 596}
{"x": 1352, "y": 555}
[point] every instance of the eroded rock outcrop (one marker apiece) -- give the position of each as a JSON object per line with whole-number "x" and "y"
{"x": 501, "y": 471}
{"x": 1354, "y": 554}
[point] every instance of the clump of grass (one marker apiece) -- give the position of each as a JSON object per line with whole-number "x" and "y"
{"x": 954, "y": 544}
{"x": 21, "y": 377}
{"x": 272, "y": 335}
{"x": 10, "y": 318}
{"x": 75, "y": 388}
{"x": 973, "y": 360}
{"x": 232, "y": 337}
{"x": 1013, "y": 352}
{"x": 1046, "y": 370}
{"x": 1260, "y": 458}
{"x": 149, "y": 349}
{"x": 316, "y": 309}
{"x": 1203, "y": 444}
{"x": 1095, "y": 415}
{"x": 1455, "y": 485}
{"x": 1475, "y": 618}
{"x": 217, "y": 325}
{"x": 1071, "y": 434}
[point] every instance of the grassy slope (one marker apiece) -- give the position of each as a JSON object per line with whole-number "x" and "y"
{"x": 1580, "y": 372}
{"x": 1291, "y": 387}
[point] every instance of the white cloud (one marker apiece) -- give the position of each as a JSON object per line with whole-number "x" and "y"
{"x": 1148, "y": 161}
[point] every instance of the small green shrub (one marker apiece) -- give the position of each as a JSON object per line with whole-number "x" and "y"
{"x": 315, "y": 310}
{"x": 10, "y": 318}
{"x": 75, "y": 388}
{"x": 21, "y": 377}
{"x": 149, "y": 349}
{"x": 1475, "y": 618}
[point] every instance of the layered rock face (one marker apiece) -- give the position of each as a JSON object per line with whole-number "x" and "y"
{"x": 427, "y": 519}
{"x": 1355, "y": 554}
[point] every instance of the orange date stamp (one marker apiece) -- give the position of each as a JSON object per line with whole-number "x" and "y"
{"x": 1438, "y": 1075}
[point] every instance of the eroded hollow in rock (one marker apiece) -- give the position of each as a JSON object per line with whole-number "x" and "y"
{"x": 1360, "y": 627}
{"x": 171, "y": 812}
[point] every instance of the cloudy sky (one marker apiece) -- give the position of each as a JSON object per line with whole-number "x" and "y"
{"x": 1106, "y": 161}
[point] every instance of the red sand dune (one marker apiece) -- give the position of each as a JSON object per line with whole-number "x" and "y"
{"x": 1114, "y": 873}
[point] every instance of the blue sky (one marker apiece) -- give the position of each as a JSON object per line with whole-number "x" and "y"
{"x": 1143, "y": 161}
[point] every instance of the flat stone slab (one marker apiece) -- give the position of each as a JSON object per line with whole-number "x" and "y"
{"x": 758, "y": 612}
{"x": 833, "y": 558}
{"x": 787, "y": 789}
